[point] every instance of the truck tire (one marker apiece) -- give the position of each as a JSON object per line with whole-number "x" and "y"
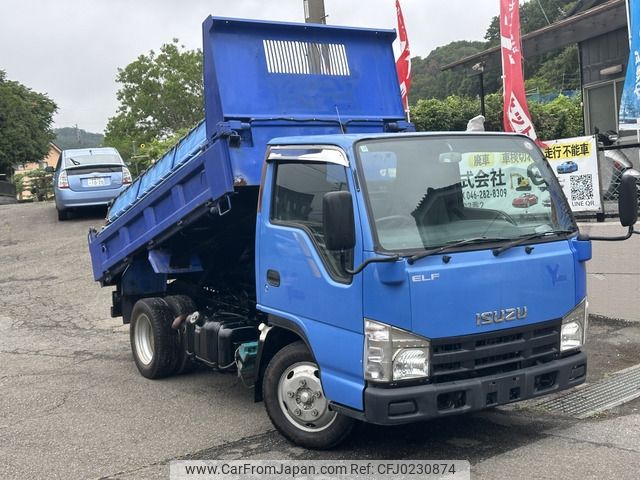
{"x": 152, "y": 342}
{"x": 295, "y": 401}
{"x": 181, "y": 305}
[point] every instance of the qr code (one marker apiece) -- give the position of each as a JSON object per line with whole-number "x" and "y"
{"x": 581, "y": 187}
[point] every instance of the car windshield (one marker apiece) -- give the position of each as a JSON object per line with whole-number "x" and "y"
{"x": 96, "y": 159}
{"x": 431, "y": 191}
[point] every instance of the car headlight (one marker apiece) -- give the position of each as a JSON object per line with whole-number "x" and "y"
{"x": 574, "y": 328}
{"x": 393, "y": 354}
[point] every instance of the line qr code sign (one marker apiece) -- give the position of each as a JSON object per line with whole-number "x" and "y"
{"x": 581, "y": 187}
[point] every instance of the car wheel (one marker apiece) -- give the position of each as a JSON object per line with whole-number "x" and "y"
{"x": 62, "y": 215}
{"x": 181, "y": 305}
{"x": 295, "y": 401}
{"x": 152, "y": 343}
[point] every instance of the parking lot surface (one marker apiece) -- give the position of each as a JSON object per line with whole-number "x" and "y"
{"x": 73, "y": 406}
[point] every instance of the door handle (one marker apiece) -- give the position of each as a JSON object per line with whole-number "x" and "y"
{"x": 273, "y": 278}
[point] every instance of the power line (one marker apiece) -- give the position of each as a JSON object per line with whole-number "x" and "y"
{"x": 543, "y": 12}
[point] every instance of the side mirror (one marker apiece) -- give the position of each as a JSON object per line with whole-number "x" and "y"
{"x": 49, "y": 169}
{"x": 338, "y": 221}
{"x": 628, "y": 198}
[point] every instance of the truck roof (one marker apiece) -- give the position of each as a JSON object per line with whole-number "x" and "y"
{"x": 347, "y": 140}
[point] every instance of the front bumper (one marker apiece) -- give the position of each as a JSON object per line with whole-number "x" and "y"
{"x": 392, "y": 406}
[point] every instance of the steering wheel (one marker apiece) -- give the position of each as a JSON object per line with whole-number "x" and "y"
{"x": 395, "y": 221}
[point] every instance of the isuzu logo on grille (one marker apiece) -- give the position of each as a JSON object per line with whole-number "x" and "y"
{"x": 501, "y": 316}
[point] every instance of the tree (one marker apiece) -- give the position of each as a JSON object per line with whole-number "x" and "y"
{"x": 153, "y": 150}
{"x": 160, "y": 94}
{"x": 428, "y": 81}
{"x": 25, "y": 124}
{"x": 556, "y": 70}
{"x": 534, "y": 14}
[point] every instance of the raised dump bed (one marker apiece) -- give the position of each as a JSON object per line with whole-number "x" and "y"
{"x": 262, "y": 80}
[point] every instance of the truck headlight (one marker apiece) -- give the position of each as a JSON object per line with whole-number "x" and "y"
{"x": 574, "y": 328}
{"x": 393, "y": 354}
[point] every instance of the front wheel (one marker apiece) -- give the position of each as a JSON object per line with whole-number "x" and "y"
{"x": 296, "y": 403}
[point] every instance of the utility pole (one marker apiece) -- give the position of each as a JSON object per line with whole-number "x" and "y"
{"x": 314, "y": 11}
{"x": 478, "y": 68}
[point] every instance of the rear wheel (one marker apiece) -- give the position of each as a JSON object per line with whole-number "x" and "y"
{"x": 62, "y": 215}
{"x": 152, "y": 344}
{"x": 181, "y": 305}
{"x": 296, "y": 403}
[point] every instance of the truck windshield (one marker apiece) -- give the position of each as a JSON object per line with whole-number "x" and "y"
{"x": 429, "y": 191}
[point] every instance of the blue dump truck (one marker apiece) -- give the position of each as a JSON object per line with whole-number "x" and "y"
{"x": 306, "y": 238}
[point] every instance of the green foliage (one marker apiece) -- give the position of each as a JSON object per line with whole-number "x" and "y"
{"x": 554, "y": 71}
{"x": 450, "y": 114}
{"x": 428, "y": 81}
{"x": 70, "y": 137}
{"x": 37, "y": 182}
{"x": 152, "y": 151}
{"x": 561, "y": 71}
{"x": 561, "y": 118}
{"x": 160, "y": 94}
{"x": 25, "y": 124}
{"x": 41, "y": 187}
{"x": 533, "y": 16}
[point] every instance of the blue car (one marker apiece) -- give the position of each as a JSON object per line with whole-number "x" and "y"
{"x": 88, "y": 177}
{"x": 567, "y": 167}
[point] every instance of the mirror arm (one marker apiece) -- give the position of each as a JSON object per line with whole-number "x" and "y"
{"x": 364, "y": 264}
{"x": 612, "y": 239}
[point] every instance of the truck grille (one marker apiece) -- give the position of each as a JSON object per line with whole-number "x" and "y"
{"x": 457, "y": 358}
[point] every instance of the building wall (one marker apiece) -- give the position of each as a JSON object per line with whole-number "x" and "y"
{"x": 604, "y": 51}
{"x": 601, "y": 93}
{"x": 52, "y": 157}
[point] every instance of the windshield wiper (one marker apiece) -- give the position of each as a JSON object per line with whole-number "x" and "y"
{"x": 454, "y": 244}
{"x": 526, "y": 238}
{"x": 75, "y": 162}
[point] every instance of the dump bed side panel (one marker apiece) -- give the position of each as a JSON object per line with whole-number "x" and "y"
{"x": 204, "y": 180}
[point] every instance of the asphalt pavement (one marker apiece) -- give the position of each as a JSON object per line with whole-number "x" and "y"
{"x": 613, "y": 272}
{"x": 73, "y": 406}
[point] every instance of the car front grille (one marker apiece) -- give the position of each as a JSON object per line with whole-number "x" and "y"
{"x": 470, "y": 356}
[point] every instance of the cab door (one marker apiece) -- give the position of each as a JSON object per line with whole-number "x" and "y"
{"x": 300, "y": 283}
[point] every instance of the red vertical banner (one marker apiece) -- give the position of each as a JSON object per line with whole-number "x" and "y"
{"x": 403, "y": 64}
{"x": 516, "y": 113}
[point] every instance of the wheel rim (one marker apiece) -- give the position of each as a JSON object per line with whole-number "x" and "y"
{"x": 302, "y": 399}
{"x": 143, "y": 336}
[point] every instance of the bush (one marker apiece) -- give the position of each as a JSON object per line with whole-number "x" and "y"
{"x": 560, "y": 118}
{"x": 36, "y": 183}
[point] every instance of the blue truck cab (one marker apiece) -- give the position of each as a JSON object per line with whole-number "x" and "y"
{"x": 304, "y": 236}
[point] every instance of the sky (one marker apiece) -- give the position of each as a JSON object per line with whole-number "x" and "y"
{"x": 72, "y": 49}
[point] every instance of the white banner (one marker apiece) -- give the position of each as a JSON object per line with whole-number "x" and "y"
{"x": 575, "y": 163}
